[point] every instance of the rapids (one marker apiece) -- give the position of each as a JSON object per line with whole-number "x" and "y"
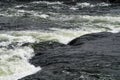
{"x": 40, "y": 21}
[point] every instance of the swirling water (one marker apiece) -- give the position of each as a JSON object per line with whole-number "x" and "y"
{"x": 40, "y": 21}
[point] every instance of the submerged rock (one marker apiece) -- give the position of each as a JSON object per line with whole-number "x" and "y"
{"x": 97, "y": 59}
{"x": 89, "y": 37}
{"x": 114, "y": 1}
{"x": 41, "y": 47}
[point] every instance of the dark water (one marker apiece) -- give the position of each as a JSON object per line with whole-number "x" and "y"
{"x": 46, "y": 15}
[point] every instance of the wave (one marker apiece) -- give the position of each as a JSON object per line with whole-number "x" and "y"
{"x": 14, "y": 59}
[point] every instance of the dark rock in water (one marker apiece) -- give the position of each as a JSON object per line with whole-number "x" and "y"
{"x": 70, "y": 2}
{"x": 114, "y": 1}
{"x": 89, "y": 37}
{"x": 39, "y": 48}
{"x": 97, "y": 59}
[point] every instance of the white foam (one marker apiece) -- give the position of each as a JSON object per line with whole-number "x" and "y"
{"x": 14, "y": 62}
{"x": 37, "y": 2}
{"x": 57, "y": 34}
{"x": 22, "y": 12}
{"x": 85, "y": 4}
{"x": 44, "y": 16}
{"x": 19, "y": 6}
{"x": 73, "y": 8}
{"x": 11, "y": 60}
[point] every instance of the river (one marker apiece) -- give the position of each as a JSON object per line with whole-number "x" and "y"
{"x": 41, "y": 21}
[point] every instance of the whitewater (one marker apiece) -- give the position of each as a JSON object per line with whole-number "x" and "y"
{"x": 40, "y": 21}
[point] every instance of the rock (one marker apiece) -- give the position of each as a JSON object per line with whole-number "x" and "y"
{"x": 41, "y": 47}
{"x": 89, "y": 37}
{"x": 114, "y": 1}
{"x": 97, "y": 59}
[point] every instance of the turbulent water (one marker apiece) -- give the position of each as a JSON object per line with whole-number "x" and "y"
{"x": 33, "y": 22}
